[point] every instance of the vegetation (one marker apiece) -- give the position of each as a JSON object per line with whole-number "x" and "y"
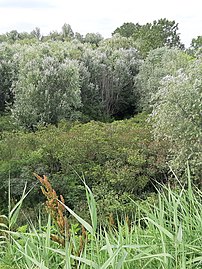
{"x": 105, "y": 125}
{"x": 177, "y": 117}
{"x": 159, "y": 64}
{"x": 118, "y": 160}
{"x": 152, "y": 35}
{"x": 165, "y": 233}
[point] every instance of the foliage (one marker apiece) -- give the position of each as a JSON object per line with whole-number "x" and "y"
{"x": 67, "y": 32}
{"x": 196, "y": 43}
{"x": 7, "y": 226}
{"x": 164, "y": 233}
{"x": 177, "y": 116}
{"x": 127, "y": 29}
{"x": 116, "y": 42}
{"x": 8, "y": 74}
{"x": 6, "y": 123}
{"x": 107, "y": 81}
{"x": 158, "y": 64}
{"x": 93, "y": 38}
{"x": 36, "y": 33}
{"x": 44, "y": 80}
{"x": 152, "y": 35}
{"x": 46, "y": 91}
{"x": 117, "y": 159}
{"x": 195, "y": 46}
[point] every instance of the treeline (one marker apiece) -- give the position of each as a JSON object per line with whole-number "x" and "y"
{"x": 57, "y": 91}
{"x": 43, "y": 80}
{"x": 46, "y": 82}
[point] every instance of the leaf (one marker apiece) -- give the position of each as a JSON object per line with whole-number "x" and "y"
{"x": 179, "y": 234}
{"x": 110, "y": 260}
{"x": 88, "y": 227}
{"x": 161, "y": 229}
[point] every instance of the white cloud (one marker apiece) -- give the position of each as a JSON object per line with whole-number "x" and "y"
{"x": 99, "y": 16}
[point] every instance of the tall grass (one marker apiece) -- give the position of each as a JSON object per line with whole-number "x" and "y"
{"x": 7, "y": 223}
{"x": 165, "y": 234}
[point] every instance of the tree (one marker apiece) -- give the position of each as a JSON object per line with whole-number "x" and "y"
{"x": 152, "y": 35}
{"x": 55, "y": 36}
{"x": 167, "y": 33}
{"x": 13, "y": 36}
{"x": 47, "y": 90}
{"x": 127, "y": 29}
{"x": 177, "y": 116}
{"x": 93, "y": 38}
{"x": 196, "y": 46}
{"x": 159, "y": 63}
{"x": 117, "y": 42}
{"x": 79, "y": 37}
{"x": 36, "y": 33}
{"x": 8, "y": 73}
{"x": 196, "y": 43}
{"x": 67, "y": 32}
{"x": 107, "y": 86}
{"x": 3, "y": 38}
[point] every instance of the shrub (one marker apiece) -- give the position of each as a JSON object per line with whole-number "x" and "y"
{"x": 118, "y": 160}
{"x": 177, "y": 118}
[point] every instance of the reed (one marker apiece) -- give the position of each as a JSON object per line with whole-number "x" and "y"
{"x": 165, "y": 234}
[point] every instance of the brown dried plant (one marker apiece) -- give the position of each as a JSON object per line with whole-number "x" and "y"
{"x": 55, "y": 209}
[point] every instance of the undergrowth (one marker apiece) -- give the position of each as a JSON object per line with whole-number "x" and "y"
{"x": 164, "y": 234}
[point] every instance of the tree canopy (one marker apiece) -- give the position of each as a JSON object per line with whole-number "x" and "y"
{"x": 152, "y": 35}
{"x": 177, "y": 116}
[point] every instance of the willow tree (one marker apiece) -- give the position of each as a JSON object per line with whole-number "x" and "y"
{"x": 177, "y": 116}
{"x": 8, "y": 73}
{"x": 107, "y": 85}
{"x": 159, "y": 63}
{"x": 47, "y": 88}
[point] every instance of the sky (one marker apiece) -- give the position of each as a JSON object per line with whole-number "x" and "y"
{"x": 96, "y": 16}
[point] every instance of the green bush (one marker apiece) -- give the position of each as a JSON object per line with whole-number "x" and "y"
{"x": 118, "y": 160}
{"x": 6, "y": 123}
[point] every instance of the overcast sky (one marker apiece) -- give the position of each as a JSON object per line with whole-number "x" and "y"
{"x": 99, "y": 16}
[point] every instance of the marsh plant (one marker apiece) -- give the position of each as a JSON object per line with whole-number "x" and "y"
{"x": 165, "y": 232}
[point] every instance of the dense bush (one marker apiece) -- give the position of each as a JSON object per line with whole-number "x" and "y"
{"x": 48, "y": 82}
{"x": 117, "y": 160}
{"x": 159, "y": 63}
{"x": 177, "y": 116}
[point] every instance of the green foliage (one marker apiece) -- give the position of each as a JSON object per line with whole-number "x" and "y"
{"x": 6, "y": 123}
{"x": 152, "y": 35}
{"x": 159, "y": 63}
{"x": 117, "y": 160}
{"x": 164, "y": 233}
{"x": 116, "y": 42}
{"x": 196, "y": 43}
{"x": 8, "y": 73}
{"x": 195, "y": 46}
{"x": 47, "y": 89}
{"x": 67, "y": 32}
{"x": 127, "y": 29}
{"x": 36, "y": 33}
{"x": 177, "y": 116}
{"x": 93, "y": 38}
{"x": 107, "y": 81}
{"x": 44, "y": 81}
